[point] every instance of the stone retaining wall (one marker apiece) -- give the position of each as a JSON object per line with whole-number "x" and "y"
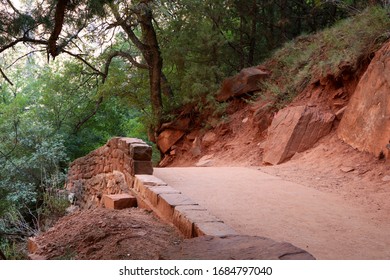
{"x": 191, "y": 219}
{"x": 109, "y": 169}
{"x": 123, "y": 166}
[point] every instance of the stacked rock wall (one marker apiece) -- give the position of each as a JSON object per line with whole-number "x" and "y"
{"x": 109, "y": 169}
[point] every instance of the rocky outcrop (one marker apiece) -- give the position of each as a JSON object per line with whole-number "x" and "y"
{"x": 108, "y": 170}
{"x": 234, "y": 247}
{"x": 168, "y": 138}
{"x": 248, "y": 80}
{"x": 294, "y": 130}
{"x": 366, "y": 121}
{"x": 262, "y": 116}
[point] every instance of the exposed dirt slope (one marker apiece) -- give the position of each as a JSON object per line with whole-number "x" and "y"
{"x": 334, "y": 167}
{"x": 104, "y": 234}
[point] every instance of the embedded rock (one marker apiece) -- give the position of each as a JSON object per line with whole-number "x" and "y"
{"x": 209, "y": 138}
{"x": 366, "y": 121}
{"x": 262, "y": 116}
{"x": 179, "y": 124}
{"x": 168, "y": 138}
{"x": 205, "y": 161}
{"x": 234, "y": 247}
{"x": 248, "y": 80}
{"x": 294, "y": 130}
{"x": 119, "y": 201}
{"x": 32, "y": 245}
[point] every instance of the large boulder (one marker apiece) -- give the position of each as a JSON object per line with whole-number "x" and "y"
{"x": 294, "y": 130}
{"x": 234, "y": 247}
{"x": 366, "y": 122}
{"x": 248, "y": 80}
{"x": 168, "y": 138}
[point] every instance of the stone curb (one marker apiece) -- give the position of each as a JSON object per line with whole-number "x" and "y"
{"x": 171, "y": 205}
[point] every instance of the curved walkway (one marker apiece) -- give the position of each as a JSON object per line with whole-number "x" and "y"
{"x": 256, "y": 203}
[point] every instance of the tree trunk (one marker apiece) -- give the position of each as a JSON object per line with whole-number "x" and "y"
{"x": 252, "y": 43}
{"x": 149, "y": 47}
{"x": 152, "y": 55}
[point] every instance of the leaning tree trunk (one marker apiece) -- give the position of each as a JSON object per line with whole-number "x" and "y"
{"x": 149, "y": 47}
{"x": 152, "y": 55}
{"x": 253, "y": 31}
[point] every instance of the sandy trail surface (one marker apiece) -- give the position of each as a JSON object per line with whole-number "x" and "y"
{"x": 255, "y": 203}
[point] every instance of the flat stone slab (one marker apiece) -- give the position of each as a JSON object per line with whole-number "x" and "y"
{"x": 213, "y": 228}
{"x": 151, "y": 193}
{"x": 185, "y": 218}
{"x": 150, "y": 180}
{"x": 168, "y": 201}
{"x": 141, "y": 152}
{"x": 119, "y": 201}
{"x": 234, "y": 247}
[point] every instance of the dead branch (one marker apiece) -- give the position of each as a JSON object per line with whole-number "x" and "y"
{"x": 90, "y": 115}
{"x": 5, "y": 77}
{"x": 23, "y": 56}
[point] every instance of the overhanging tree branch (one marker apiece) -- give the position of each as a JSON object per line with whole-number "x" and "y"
{"x": 23, "y": 39}
{"x": 79, "y": 57}
{"x": 123, "y": 54}
{"x": 23, "y": 56}
{"x": 13, "y": 7}
{"x": 58, "y": 23}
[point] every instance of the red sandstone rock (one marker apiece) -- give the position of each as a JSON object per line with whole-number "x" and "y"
{"x": 141, "y": 152}
{"x": 294, "y": 130}
{"x": 248, "y": 80}
{"x": 32, "y": 245}
{"x": 262, "y": 116}
{"x": 143, "y": 167}
{"x": 235, "y": 247}
{"x": 168, "y": 138}
{"x": 119, "y": 201}
{"x": 179, "y": 124}
{"x": 366, "y": 121}
{"x": 168, "y": 201}
{"x": 189, "y": 220}
{"x": 209, "y": 138}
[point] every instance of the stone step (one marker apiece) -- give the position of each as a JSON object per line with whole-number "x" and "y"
{"x": 119, "y": 201}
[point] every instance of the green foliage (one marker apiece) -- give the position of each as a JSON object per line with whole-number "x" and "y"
{"x": 14, "y": 228}
{"x": 54, "y": 206}
{"x": 13, "y": 250}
